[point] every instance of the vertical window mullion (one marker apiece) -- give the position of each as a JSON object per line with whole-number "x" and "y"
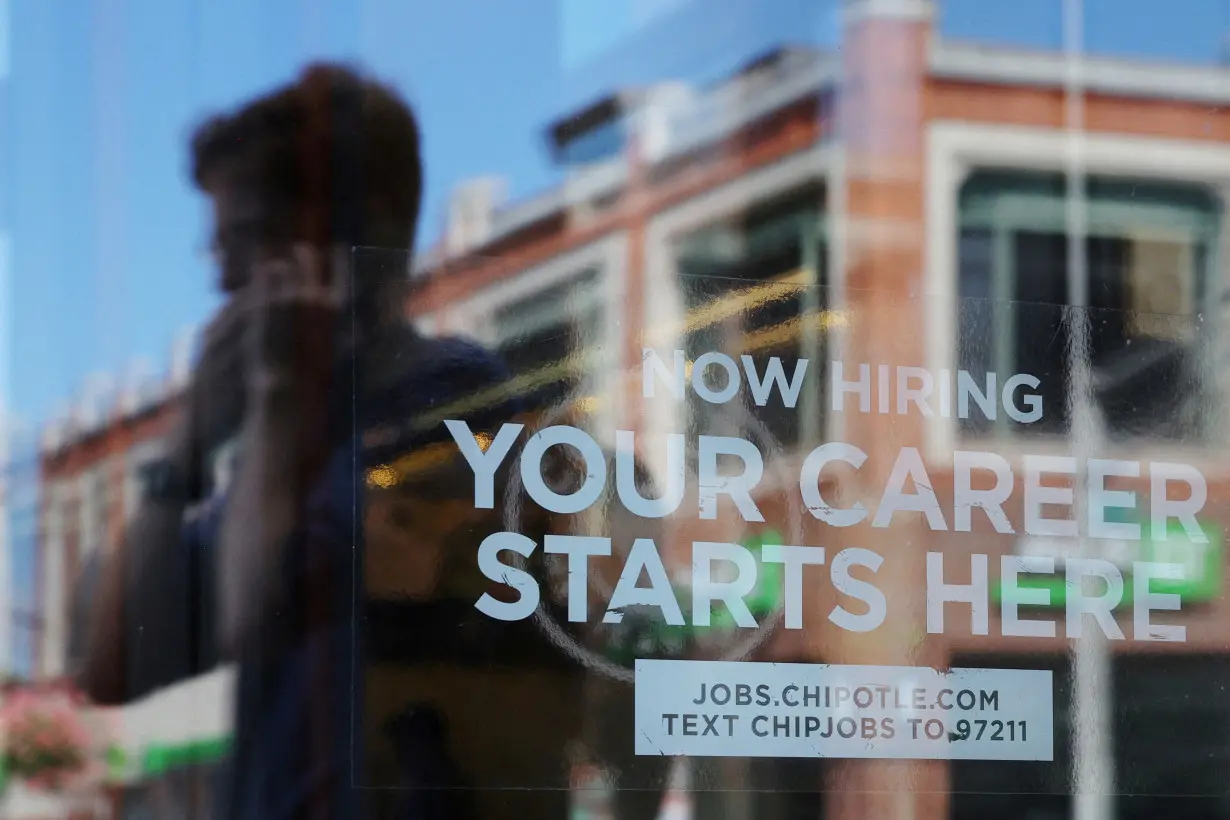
{"x": 809, "y": 338}
{"x": 1004, "y": 307}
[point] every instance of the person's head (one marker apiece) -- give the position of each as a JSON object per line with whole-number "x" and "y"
{"x": 331, "y": 159}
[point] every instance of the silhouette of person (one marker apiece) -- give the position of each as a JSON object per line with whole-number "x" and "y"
{"x": 307, "y": 374}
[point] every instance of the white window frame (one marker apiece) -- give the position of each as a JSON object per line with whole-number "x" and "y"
{"x": 53, "y": 581}
{"x": 475, "y": 315}
{"x": 954, "y": 149}
{"x": 92, "y": 509}
{"x": 663, "y": 300}
{"x": 134, "y": 460}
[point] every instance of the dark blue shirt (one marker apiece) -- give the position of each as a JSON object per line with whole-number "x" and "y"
{"x": 297, "y": 749}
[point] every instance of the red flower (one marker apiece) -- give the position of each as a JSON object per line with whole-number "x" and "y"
{"x": 45, "y": 739}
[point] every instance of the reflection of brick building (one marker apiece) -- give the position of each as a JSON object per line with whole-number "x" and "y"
{"x": 19, "y": 538}
{"x": 91, "y": 465}
{"x": 716, "y": 220}
{"x": 946, "y": 181}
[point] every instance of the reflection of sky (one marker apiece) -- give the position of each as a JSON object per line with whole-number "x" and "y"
{"x": 102, "y": 94}
{"x": 21, "y": 510}
{"x": 696, "y": 40}
{"x": 6, "y": 321}
{"x": 4, "y": 40}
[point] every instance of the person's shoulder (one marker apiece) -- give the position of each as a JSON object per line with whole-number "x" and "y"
{"x": 439, "y": 377}
{"x": 442, "y": 365}
{"x": 460, "y": 353}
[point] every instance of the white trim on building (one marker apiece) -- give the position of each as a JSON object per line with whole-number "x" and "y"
{"x": 1099, "y": 75}
{"x": 54, "y": 599}
{"x": 134, "y": 460}
{"x": 911, "y": 11}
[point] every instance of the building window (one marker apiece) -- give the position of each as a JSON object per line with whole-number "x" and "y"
{"x": 755, "y": 286}
{"x": 1171, "y": 739}
{"x": 1149, "y": 295}
{"x": 139, "y": 462}
{"x": 603, "y": 142}
{"x": 94, "y": 506}
{"x": 550, "y": 340}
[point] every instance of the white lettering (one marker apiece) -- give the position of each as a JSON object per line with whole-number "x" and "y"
{"x": 909, "y": 465}
{"x": 775, "y": 374}
{"x": 738, "y": 487}
{"x": 706, "y": 590}
{"x": 483, "y": 463}
{"x": 840, "y": 387}
{"x": 868, "y": 593}
{"x": 644, "y": 557}
{"x": 1031, "y": 401}
{"x": 967, "y": 388}
{"x": 1163, "y": 508}
{"x": 1102, "y": 606}
{"x": 531, "y": 469}
{"x": 701, "y": 386}
{"x": 976, "y": 594}
{"x": 578, "y": 548}
{"x": 793, "y": 559}
{"x": 966, "y": 498}
{"x": 1146, "y": 601}
{"x": 917, "y": 396}
{"x": 809, "y": 483}
{"x": 1099, "y": 499}
{"x": 494, "y": 569}
{"x": 625, "y": 477}
{"x": 1014, "y": 596}
{"x": 652, "y": 364}
{"x": 1037, "y": 496}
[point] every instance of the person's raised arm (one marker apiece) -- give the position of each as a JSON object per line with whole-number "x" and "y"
{"x": 135, "y": 608}
{"x": 283, "y": 444}
{"x": 138, "y": 605}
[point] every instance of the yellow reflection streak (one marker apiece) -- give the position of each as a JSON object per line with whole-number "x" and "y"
{"x": 787, "y": 331}
{"x": 784, "y": 287}
{"x": 388, "y": 476}
{"x": 710, "y": 313}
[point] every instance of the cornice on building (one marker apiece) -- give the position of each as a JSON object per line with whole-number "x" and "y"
{"x": 712, "y": 117}
{"x": 912, "y": 11}
{"x": 103, "y": 402}
{"x": 1099, "y": 75}
{"x": 679, "y": 124}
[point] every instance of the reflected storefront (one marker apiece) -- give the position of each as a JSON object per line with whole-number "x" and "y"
{"x": 838, "y": 431}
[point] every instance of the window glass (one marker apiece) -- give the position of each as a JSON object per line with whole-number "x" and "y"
{"x": 1145, "y": 263}
{"x": 636, "y": 410}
